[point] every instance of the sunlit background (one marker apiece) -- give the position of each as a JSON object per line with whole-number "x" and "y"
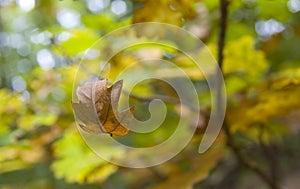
{"x": 30, "y": 28}
{"x": 42, "y": 42}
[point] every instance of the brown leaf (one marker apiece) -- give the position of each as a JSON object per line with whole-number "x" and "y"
{"x": 97, "y": 108}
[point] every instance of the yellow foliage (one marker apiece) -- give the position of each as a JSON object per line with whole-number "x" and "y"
{"x": 168, "y": 11}
{"x": 276, "y": 99}
{"x": 240, "y": 56}
{"x": 11, "y": 107}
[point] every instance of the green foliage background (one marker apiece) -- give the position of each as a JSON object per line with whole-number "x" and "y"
{"x": 40, "y": 146}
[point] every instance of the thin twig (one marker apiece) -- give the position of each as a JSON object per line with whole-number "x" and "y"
{"x": 153, "y": 97}
{"x": 230, "y": 138}
{"x": 164, "y": 98}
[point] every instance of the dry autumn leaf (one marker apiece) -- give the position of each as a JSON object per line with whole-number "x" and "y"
{"x": 97, "y": 108}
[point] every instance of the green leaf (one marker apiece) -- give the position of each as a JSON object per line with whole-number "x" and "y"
{"x": 267, "y": 8}
{"x": 81, "y": 40}
{"x": 28, "y": 121}
{"x": 76, "y": 162}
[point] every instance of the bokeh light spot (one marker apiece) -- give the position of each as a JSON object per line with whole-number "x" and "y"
{"x": 45, "y": 59}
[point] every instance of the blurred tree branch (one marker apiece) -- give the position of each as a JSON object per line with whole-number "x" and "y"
{"x": 271, "y": 181}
